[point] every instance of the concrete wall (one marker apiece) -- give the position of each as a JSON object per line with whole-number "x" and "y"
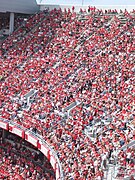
{"x": 19, "y": 6}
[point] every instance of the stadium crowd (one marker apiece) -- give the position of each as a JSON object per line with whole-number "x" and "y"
{"x": 126, "y": 161}
{"x": 19, "y": 161}
{"x": 67, "y": 57}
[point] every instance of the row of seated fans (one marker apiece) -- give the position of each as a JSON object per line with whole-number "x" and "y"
{"x": 18, "y": 160}
{"x": 68, "y": 57}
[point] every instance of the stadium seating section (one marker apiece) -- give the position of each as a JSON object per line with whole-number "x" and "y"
{"x": 82, "y": 63}
{"x": 19, "y": 162}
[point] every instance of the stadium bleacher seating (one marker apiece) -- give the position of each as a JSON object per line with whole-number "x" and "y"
{"x": 69, "y": 57}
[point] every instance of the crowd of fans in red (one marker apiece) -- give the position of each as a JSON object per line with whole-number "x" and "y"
{"x": 19, "y": 162}
{"x": 126, "y": 161}
{"x": 67, "y": 56}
